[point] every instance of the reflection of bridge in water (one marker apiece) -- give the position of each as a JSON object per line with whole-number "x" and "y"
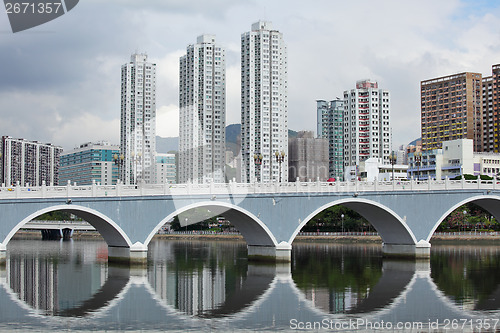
{"x": 265, "y": 297}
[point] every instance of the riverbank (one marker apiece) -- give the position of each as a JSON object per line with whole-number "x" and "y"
{"x": 438, "y": 238}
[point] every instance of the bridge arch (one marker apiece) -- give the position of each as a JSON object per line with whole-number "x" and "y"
{"x": 109, "y": 230}
{"x": 489, "y": 203}
{"x": 390, "y": 226}
{"x": 253, "y": 230}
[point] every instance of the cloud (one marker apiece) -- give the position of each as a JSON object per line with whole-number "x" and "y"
{"x": 167, "y": 120}
{"x": 67, "y": 72}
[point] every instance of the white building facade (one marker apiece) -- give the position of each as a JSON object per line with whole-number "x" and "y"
{"x": 367, "y": 130}
{"x": 138, "y": 120}
{"x": 264, "y": 108}
{"x": 202, "y": 115}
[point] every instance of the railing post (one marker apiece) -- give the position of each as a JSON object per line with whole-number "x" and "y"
{"x": 44, "y": 189}
{"x": 297, "y": 184}
{"x": 318, "y": 184}
{"x": 411, "y": 183}
{"x": 375, "y": 185}
{"x": 446, "y": 182}
{"x": 94, "y": 189}
{"x": 429, "y": 180}
{"x": 68, "y": 189}
{"x": 18, "y": 190}
{"x": 462, "y": 180}
{"x": 478, "y": 181}
{"x": 119, "y": 187}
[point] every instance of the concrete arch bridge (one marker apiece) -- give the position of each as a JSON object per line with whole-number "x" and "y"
{"x": 268, "y": 215}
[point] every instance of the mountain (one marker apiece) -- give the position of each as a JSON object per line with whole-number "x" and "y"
{"x": 164, "y": 145}
{"x": 233, "y": 131}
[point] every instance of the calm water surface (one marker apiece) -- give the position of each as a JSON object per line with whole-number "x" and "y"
{"x": 210, "y": 286}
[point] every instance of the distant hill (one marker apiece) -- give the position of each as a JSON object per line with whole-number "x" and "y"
{"x": 233, "y": 132}
{"x": 164, "y": 145}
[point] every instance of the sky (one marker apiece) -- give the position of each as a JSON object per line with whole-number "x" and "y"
{"x": 60, "y": 81}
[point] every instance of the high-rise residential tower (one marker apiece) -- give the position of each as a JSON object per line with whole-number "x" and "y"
{"x": 367, "y": 127}
{"x": 202, "y": 115}
{"x": 330, "y": 126}
{"x": 28, "y": 162}
{"x": 138, "y": 121}
{"x": 491, "y": 111}
{"x": 451, "y": 109}
{"x": 264, "y": 95}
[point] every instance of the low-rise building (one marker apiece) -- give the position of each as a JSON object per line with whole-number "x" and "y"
{"x": 91, "y": 162}
{"x": 374, "y": 169}
{"x": 454, "y": 159}
{"x": 166, "y": 169}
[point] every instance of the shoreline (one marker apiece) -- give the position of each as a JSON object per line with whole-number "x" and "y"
{"x": 436, "y": 239}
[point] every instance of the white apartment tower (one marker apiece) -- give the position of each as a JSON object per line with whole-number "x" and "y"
{"x": 138, "y": 120}
{"x": 367, "y": 130}
{"x": 264, "y": 123}
{"x": 202, "y": 114}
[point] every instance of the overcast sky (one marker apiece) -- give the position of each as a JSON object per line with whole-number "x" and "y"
{"x": 60, "y": 82}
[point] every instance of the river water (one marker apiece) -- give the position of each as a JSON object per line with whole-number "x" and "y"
{"x": 210, "y": 286}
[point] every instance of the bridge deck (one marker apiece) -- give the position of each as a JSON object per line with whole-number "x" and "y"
{"x": 96, "y": 190}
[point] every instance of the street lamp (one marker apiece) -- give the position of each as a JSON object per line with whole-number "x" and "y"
{"x": 257, "y": 158}
{"x": 393, "y": 157}
{"x": 418, "y": 158}
{"x": 136, "y": 158}
{"x": 119, "y": 162}
{"x": 280, "y": 157}
{"x": 465, "y": 218}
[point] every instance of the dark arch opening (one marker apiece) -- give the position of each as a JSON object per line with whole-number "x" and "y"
{"x": 111, "y": 233}
{"x": 388, "y": 225}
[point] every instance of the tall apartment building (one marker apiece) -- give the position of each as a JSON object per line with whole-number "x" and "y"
{"x": 90, "y": 162}
{"x": 491, "y": 110}
{"x": 330, "y": 126}
{"x": 202, "y": 115}
{"x": 308, "y": 158}
{"x": 264, "y": 95}
{"x": 138, "y": 120}
{"x": 451, "y": 109}
{"x": 367, "y": 128}
{"x": 29, "y": 162}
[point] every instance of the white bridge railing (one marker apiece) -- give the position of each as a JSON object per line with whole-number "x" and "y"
{"x": 96, "y": 190}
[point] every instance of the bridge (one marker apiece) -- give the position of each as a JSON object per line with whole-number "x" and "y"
{"x": 268, "y": 215}
{"x": 58, "y": 229}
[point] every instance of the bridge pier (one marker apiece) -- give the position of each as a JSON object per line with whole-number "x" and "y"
{"x": 418, "y": 251}
{"x": 3, "y": 254}
{"x": 280, "y": 253}
{"x": 137, "y": 254}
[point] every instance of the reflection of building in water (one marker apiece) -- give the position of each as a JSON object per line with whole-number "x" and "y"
{"x": 37, "y": 282}
{"x": 193, "y": 292}
{"x": 333, "y": 301}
